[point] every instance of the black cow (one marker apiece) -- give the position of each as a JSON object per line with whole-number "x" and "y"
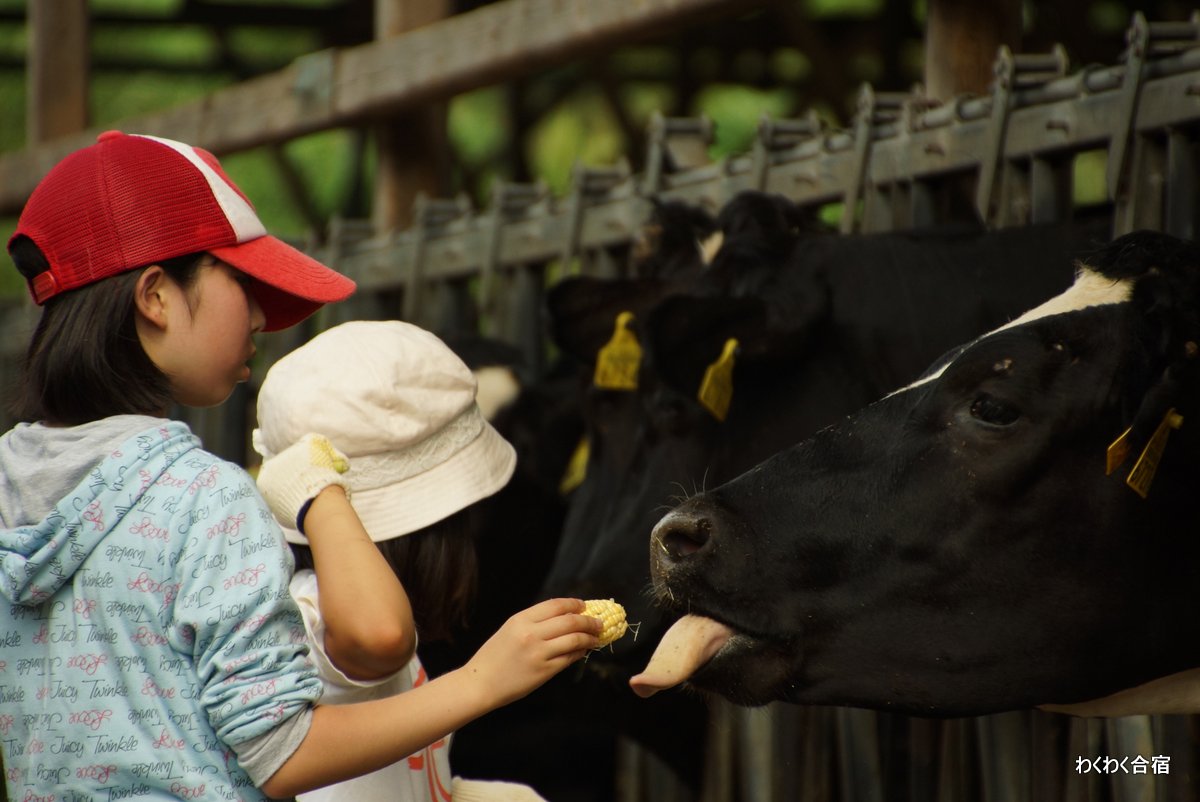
{"x": 572, "y": 716}
{"x": 516, "y": 532}
{"x": 984, "y": 539}
{"x": 582, "y": 317}
{"x": 823, "y": 324}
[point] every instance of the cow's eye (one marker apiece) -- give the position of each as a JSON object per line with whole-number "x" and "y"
{"x": 992, "y": 410}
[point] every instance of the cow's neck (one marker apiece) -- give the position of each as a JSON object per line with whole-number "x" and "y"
{"x": 1175, "y": 693}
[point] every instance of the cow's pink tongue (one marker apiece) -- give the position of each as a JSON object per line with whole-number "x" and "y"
{"x": 689, "y": 643}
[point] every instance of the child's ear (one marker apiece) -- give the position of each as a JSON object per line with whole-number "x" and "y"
{"x": 150, "y": 296}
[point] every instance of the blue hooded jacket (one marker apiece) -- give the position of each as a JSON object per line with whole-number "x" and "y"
{"x": 146, "y": 630}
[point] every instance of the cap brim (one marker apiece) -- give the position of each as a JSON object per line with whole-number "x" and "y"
{"x": 291, "y": 284}
{"x": 477, "y": 471}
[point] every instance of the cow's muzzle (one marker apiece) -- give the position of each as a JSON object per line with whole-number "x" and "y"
{"x": 679, "y": 536}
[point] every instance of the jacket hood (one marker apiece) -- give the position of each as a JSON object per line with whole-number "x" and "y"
{"x": 41, "y": 555}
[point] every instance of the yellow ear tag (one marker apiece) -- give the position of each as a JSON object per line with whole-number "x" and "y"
{"x": 618, "y": 361}
{"x": 716, "y": 388}
{"x": 1143, "y": 470}
{"x": 1117, "y": 452}
{"x": 576, "y": 469}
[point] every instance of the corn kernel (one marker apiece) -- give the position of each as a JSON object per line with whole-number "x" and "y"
{"x": 611, "y": 614}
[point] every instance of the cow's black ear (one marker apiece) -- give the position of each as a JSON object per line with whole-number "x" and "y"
{"x": 582, "y": 311}
{"x": 764, "y": 216}
{"x": 1163, "y": 372}
{"x": 1139, "y": 252}
{"x": 1170, "y": 403}
{"x": 1166, "y": 292}
{"x": 796, "y": 300}
{"x": 1163, "y": 395}
{"x": 685, "y": 334}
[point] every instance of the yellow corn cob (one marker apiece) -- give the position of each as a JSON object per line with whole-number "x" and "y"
{"x": 611, "y": 614}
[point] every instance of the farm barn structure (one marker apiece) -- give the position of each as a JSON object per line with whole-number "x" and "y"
{"x": 992, "y": 113}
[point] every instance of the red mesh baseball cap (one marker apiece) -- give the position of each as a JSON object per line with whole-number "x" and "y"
{"x": 131, "y": 200}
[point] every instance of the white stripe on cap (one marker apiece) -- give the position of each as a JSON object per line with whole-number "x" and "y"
{"x": 245, "y": 223}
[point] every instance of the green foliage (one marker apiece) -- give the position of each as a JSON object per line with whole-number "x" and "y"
{"x": 1108, "y": 16}
{"x": 642, "y": 99}
{"x": 139, "y": 7}
{"x": 578, "y": 131}
{"x": 115, "y": 98}
{"x": 11, "y": 283}
{"x": 736, "y": 111}
{"x": 479, "y": 125}
{"x": 844, "y": 8}
{"x": 258, "y": 177}
{"x": 272, "y": 47}
{"x": 184, "y": 45}
{"x": 1090, "y": 179}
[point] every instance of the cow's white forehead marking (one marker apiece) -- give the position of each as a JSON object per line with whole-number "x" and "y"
{"x": 1089, "y": 289}
{"x": 710, "y": 246}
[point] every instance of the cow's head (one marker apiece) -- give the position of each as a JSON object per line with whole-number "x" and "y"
{"x": 670, "y": 244}
{"x": 655, "y": 442}
{"x": 959, "y": 547}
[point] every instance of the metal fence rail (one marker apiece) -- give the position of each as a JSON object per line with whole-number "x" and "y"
{"x": 1011, "y": 150}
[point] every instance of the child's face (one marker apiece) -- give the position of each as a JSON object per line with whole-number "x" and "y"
{"x": 209, "y": 340}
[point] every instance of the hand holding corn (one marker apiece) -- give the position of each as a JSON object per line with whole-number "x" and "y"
{"x": 531, "y": 647}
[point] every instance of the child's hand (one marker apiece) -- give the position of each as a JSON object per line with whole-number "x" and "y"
{"x": 532, "y": 646}
{"x": 291, "y": 479}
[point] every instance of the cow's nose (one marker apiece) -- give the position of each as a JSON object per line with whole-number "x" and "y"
{"x": 681, "y": 534}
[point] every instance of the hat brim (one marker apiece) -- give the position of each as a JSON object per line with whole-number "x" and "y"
{"x": 290, "y": 284}
{"x": 475, "y": 472}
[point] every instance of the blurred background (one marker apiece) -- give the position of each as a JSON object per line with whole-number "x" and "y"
{"x": 338, "y": 120}
{"x": 778, "y": 58}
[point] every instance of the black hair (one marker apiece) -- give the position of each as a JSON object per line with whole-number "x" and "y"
{"x": 85, "y": 361}
{"x": 438, "y": 567}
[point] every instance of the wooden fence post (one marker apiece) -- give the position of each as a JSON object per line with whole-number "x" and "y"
{"x": 961, "y": 40}
{"x": 57, "y": 100}
{"x": 411, "y": 145}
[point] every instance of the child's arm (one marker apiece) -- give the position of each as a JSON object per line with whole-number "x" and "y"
{"x": 369, "y": 630}
{"x": 346, "y": 741}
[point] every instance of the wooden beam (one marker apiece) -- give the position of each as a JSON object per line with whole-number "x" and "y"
{"x": 57, "y": 99}
{"x": 339, "y": 87}
{"x": 224, "y": 15}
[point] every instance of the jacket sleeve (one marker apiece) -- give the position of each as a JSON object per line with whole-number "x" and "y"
{"x": 233, "y": 612}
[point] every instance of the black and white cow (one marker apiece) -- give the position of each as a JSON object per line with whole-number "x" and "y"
{"x": 964, "y": 546}
{"x": 823, "y": 324}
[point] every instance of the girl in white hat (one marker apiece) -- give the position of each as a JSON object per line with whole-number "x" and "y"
{"x": 396, "y": 410}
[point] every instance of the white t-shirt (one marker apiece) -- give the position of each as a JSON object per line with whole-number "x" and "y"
{"x": 422, "y": 777}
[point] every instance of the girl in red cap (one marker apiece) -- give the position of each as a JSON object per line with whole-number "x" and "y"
{"x": 151, "y": 647}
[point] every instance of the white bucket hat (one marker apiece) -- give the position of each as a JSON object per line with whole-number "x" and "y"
{"x": 401, "y": 405}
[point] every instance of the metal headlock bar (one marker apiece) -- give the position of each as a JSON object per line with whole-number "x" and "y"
{"x": 1012, "y": 144}
{"x": 1022, "y": 71}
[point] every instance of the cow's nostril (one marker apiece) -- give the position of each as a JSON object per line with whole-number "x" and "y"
{"x": 680, "y": 538}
